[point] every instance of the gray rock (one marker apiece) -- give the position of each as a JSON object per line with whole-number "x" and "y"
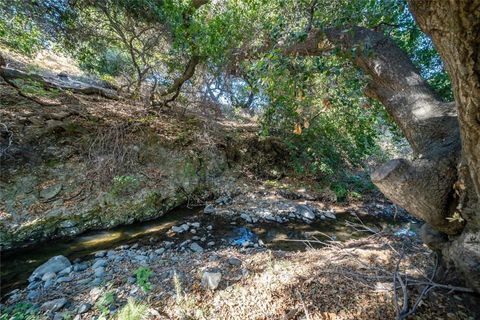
{"x": 67, "y": 270}
{"x": 14, "y": 298}
{"x": 160, "y": 251}
{"x": 210, "y": 227}
{"x": 80, "y": 267}
{"x": 48, "y": 276}
{"x": 100, "y": 272}
{"x": 305, "y": 212}
{"x": 33, "y": 285}
{"x": 141, "y": 257}
{"x": 59, "y": 316}
{"x": 213, "y": 257}
{"x": 235, "y": 262}
{"x": 64, "y": 279}
{"x": 181, "y": 229}
{"x": 99, "y": 263}
{"x": 195, "y": 247}
{"x": 84, "y": 307}
{"x": 51, "y": 192}
{"x": 54, "y": 265}
{"x": 100, "y": 254}
{"x": 193, "y": 231}
{"x": 329, "y": 214}
{"x": 225, "y": 200}
{"x": 48, "y": 283}
{"x": 131, "y": 280}
{"x": 67, "y": 224}
{"x": 33, "y": 295}
{"x": 211, "y": 243}
{"x": 209, "y": 209}
{"x": 53, "y": 305}
{"x": 195, "y": 224}
{"x": 184, "y": 243}
{"x": 211, "y": 280}
{"x": 111, "y": 253}
{"x": 246, "y": 217}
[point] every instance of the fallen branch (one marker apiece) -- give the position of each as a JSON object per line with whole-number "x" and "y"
{"x": 9, "y": 75}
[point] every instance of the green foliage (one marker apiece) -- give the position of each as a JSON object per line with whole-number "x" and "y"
{"x": 35, "y": 88}
{"x": 122, "y": 185}
{"x": 105, "y": 61}
{"x": 104, "y": 302}
{"x": 19, "y": 33}
{"x": 20, "y": 311}
{"x": 143, "y": 274}
{"x": 351, "y": 186}
{"x": 133, "y": 310}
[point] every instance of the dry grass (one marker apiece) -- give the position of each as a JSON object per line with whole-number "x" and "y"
{"x": 340, "y": 281}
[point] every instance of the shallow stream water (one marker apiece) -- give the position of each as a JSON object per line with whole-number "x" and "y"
{"x": 17, "y": 265}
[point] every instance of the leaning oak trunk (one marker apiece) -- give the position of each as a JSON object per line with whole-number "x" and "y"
{"x": 454, "y": 27}
{"x": 441, "y": 184}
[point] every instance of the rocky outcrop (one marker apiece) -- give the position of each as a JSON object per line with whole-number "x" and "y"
{"x": 95, "y": 164}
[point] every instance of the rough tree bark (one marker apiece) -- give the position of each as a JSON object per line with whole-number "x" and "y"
{"x": 454, "y": 27}
{"x": 422, "y": 186}
{"x": 432, "y": 186}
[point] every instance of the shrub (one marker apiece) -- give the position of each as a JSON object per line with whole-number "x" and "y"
{"x": 19, "y": 33}
{"x": 142, "y": 274}
{"x": 19, "y": 311}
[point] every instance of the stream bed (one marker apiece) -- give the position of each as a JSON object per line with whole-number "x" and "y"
{"x": 17, "y": 265}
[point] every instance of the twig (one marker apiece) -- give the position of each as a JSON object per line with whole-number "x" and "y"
{"x": 307, "y": 315}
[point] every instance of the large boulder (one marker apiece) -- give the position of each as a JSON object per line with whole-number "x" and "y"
{"x": 54, "y": 265}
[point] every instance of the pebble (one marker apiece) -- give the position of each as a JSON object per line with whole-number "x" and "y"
{"x": 100, "y": 254}
{"x": 84, "y": 307}
{"x": 211, "y": 280}
{"x": 209, "y": 209}
{"x": 160, "y": 251}
{"x": 195, "y": 224}
{"x": 59, "y": 316}
{"x": 100, "y": 272}
{"x": 210, "y": 227}
{"x": 64, "y": 279}
{"x": 246, "y": 217}
{"x": 235, "y": 262}
{"x": 211, "y": 243}
{"x": 33, "y": 285}
{"x": 80, "y": 267}
{"x": 48, "y": 283}
{"x": 99, "y": 263}
{"x": 54, "y": 305}
{"x": 33, "y": 295}
{"x": 195, "y": 247}
{"x": 213, "y": 257}
{"x": 67, "y": 270}
{"x": 329, "y": 214}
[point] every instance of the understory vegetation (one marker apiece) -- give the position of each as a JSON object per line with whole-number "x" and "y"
{"x": 232, "y": 56}
{"x": 348, "y": 127}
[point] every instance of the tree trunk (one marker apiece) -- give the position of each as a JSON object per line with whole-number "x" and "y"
{"x": 423, "y": 186}
{"x": 442, "y": 183}
{"x": 454, "y": 27}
